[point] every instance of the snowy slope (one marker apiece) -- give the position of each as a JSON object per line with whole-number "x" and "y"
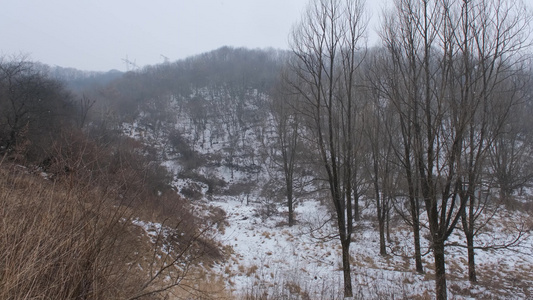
{"x": 267, "y": 259}
{"x": 303, "y": 262}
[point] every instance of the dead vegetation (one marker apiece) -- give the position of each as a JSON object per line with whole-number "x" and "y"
{"x": 64, "y": 241}
{"x": 99, "y": 222}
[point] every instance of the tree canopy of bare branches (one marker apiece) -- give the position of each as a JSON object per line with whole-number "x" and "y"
{"x": 326, "y": 57}
{"x": 455, "y": 63}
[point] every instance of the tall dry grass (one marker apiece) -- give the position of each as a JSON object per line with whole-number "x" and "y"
{"x": 72, "y": 235}
{"x": 61, "y": 243}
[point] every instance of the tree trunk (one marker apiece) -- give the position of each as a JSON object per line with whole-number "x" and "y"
{"x": 467, "y": 219}
{"x": 388, "y": 223}
{"x": 418, "y": 253}
{"x": 348, "y": 292}
{"x": 468, "y": 230}
{"x": 413, "y": 200}
{"x": 381, "y": 221}
{"x": 356, "y": 205}
{"x": 382, "y": 243}
{"x": 290, "y": 204}
{"x": 415, "y": 213}
{"x": 380, "y": 207}
{"x": 440, "y": 270}
{"x": 471, "y": 259}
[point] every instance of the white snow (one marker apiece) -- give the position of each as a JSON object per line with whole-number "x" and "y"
{"x": 280, "y": 261}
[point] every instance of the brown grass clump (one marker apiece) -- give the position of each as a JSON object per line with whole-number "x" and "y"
{"x": 251, "y": 270}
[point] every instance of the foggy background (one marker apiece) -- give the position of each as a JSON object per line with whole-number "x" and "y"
{"x": 100, "y": 35}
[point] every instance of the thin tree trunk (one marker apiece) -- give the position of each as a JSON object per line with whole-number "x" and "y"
{"x": 440, "y": 270}
{"x": 418, "y": 253}
{"x": 388, "y": 221}
{"x": 346, "y": 268}
{"x": 290, "y": 203}
{"x": 468, "y": 229}
{"x": 415, "y": 213}
{"x": 382, "y": 243}
{"x": 355, "y": 205}
{"x": 381, "y": 219}
{"x": 471, "y": 259}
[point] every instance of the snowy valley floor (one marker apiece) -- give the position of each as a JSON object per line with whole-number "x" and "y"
{"x": 269, "y": 260}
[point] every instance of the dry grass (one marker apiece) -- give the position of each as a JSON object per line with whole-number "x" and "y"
{"x": 201, "y": 286}
{"x": 251, "y": 270}
{"x": 73, "y": 238}
{"x": 58, "y": 243}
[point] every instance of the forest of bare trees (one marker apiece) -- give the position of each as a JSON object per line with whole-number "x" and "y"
{"x": 437, "y": 100}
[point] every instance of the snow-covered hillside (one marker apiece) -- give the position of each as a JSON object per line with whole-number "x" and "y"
{"x": 218, "y": 142}
{"x": 267, "y": 259}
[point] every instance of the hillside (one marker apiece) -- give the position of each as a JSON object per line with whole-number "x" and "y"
{"x": 81, "y": 239}
{"x": 218, "y": 144}
{"x": 170, "y": 182}
{"x": 272, "y": 261}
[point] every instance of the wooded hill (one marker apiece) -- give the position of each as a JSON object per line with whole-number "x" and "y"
{"x": 137, "y": 161}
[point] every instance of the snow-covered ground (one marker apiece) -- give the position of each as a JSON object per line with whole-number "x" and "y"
{"x": 303, "y": 261}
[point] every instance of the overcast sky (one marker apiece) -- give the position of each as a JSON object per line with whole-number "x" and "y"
{"x": 99, "y": 34}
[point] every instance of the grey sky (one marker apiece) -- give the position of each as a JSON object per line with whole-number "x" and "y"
{"x": 99, "y": 34}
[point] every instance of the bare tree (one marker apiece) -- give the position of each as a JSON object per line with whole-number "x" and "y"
{"x": 287, "y": 132}
{"x": 326, "y": 46}
{"x": 489, "y": 38}
{"x": 389, "y": 82}
{"x": 379, "y": 165}
{"x": 85, "y": 104}
{"x": 511, "y": 154}
{"x": 452, "y": 59}
{"x": 33, "y": 107}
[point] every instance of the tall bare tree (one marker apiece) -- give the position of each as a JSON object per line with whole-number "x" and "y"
{"x": 452, "y": 57}
{"x": 489, "y": 38}
{"x": 377, "y": 119}
{"x": 326, "y": 46}
{"x": 391, "y": 81}
{"x": 287, "y": 126}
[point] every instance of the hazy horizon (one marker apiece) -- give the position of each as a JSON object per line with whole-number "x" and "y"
{"x": 101, "y": 36}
